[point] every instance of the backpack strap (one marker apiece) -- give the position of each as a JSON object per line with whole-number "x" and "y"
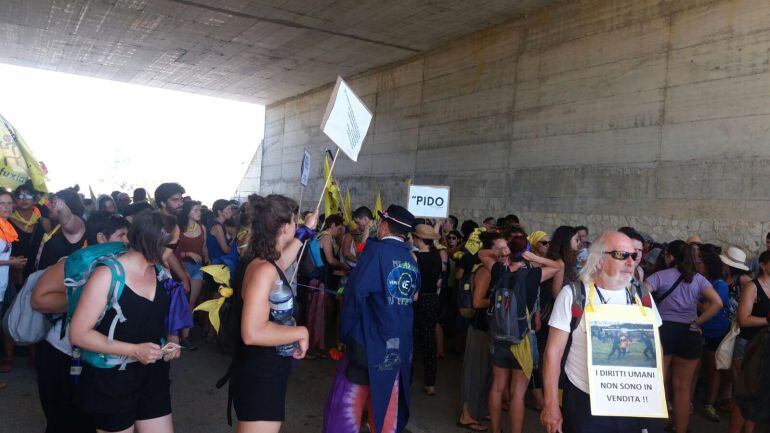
{"x": 117, "y": 284}
{"x": 661, "y": 298}
{"x": 578, "y": 304}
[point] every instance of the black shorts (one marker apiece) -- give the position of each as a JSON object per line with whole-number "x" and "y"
{"x": 678, "y": 340}
{"x": 115, "y": 399}
{"x": 257, "y": 397}
{"x": 502, "y": 357}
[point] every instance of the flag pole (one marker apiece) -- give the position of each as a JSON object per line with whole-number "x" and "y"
{"x": 318, "y": 206}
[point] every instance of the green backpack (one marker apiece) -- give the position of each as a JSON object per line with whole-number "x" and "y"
{"x": 77, "y": 269}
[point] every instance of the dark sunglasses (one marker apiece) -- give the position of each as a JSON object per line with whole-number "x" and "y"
{"x": 452, "y": 238}
{"x": 25, "y": 196}
{"x": 546, "y": 243}
{"x": 621, "y": 255}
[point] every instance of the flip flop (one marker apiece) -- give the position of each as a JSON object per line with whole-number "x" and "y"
{"x": 473, "y": 426}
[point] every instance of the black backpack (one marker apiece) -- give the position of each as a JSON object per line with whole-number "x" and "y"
{"x": 509, "y": 316}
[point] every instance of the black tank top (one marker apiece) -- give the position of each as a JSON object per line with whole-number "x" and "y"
{"x": 27, "y": 245}
{"x": 145, "y": 319}
{"x": 429, "y": 263}
{"x": 262, "y": 361}
{"x": 56, "y": 248}
{"x": 760, "y": 309}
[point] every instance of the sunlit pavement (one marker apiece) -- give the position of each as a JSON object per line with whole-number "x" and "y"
{"x": 200, "y": 407}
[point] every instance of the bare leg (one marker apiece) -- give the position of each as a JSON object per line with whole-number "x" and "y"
{"x": 163, "y": 424}
{"x": 259, "y": 427}
{"x": 500, "y": 382}
{"x": 519, "y": 384}
{"x": 681, "y": 381}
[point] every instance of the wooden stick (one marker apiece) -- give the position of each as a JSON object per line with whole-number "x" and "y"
{"x": 318, "y": 206}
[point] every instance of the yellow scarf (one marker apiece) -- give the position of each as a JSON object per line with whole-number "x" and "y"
{"x": 27, "y": 223}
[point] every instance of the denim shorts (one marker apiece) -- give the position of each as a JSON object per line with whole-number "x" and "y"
{"x": 194, "y": 270}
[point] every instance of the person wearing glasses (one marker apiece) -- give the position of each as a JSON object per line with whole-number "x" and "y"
{"x": 610, "y": 267}
{"x": 677, "y": 291}
{"x": 30, "y": 224}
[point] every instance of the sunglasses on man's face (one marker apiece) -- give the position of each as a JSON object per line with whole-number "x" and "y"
{"x": 25, "y": 196}
{"x": 452, "y": 238}
{"x": 622, "y": 255}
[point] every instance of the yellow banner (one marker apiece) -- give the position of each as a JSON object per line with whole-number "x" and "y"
{"x": 17, "y": 164}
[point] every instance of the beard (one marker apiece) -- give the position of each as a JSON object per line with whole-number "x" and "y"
{"x": 617, "y": 282}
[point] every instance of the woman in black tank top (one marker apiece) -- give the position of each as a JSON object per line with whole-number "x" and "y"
{"x": 136, "y": 393}
{"x": 752, "y": 315}
{"x": 259, "y": 374}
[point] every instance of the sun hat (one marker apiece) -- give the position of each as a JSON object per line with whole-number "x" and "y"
{"x": 424, "y": 231}
{"x": 734, "y": 257}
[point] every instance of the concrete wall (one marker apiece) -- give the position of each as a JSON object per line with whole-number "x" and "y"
{"x": 648, "y": 113}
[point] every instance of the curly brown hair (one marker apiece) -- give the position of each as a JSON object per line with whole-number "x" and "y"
{"x": 270, "y": 213}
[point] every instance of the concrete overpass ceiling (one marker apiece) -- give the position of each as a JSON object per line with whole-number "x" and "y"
{"x": 257, "y": 51}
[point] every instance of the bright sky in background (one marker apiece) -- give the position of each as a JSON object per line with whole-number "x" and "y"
{"x": 113, "y": 135}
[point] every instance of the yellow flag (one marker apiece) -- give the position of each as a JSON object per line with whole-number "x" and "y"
{"x": 17, "y": 164}
{"x": 327, "y": 197}
{"x": 347, "y": 213}
{"x": 408, "y": 183}
{"x": 377, "y": 207}
{"x": 93, "y": 196}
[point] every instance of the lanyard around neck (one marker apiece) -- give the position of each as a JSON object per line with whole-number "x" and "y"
{"x": 630, "y": 300}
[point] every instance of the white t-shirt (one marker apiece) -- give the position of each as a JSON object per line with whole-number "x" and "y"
{"x": 561, "y": 316}
{"x": 4, "y": 255}
{"x": 54, "y": 338}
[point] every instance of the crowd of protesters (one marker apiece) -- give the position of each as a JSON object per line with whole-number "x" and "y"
{"x": 708, "y": 297}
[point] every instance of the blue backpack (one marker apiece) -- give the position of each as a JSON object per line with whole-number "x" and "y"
{"x": 77, "y": 269}
{"x": 311, "y": 263}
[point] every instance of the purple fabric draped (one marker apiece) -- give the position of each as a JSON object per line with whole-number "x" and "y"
{"x": 179, "y": 316}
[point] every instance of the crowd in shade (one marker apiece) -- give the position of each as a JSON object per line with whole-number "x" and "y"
{"x": 388, "y": 295}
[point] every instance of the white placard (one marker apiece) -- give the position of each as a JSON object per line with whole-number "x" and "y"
{"x": 304, "y": 177}
{"x": 429, "y": 201}
{"x": 346, "y": 120}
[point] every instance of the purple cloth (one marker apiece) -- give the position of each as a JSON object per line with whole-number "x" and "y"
{"x": 303, "y": 233}
{"x": 680, "y": 306}
{"x": 179, "y": 316}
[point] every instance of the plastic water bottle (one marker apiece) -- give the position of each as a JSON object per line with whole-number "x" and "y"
{"x": 282, "y": 310}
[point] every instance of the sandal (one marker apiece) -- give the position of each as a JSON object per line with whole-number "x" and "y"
{"x": 6, "y": 366}
{"x": 474, "y": 426}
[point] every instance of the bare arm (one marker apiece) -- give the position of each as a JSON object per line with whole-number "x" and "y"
{"x": 551, "y": 417}
{"x": 347, "y": 240}
{"x": 290, "y": 252}
{"x": 549, "y": 267}
{"x": 177, "y": 270}
{"x": 50, "y": 293}
{"x": 256, "y": 328}
{"x": 90, "y": 306}
{"x": 206, "y": 260}
{"x": 714, "y": 305}
{"x": 328, "y": 250}
{"x": 219, "y": 234}
{"x": 480, "y": 285}
{"x": 746, "y": 304}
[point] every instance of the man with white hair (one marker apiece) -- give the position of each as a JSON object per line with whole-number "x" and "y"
{"x": 609, "y": 268}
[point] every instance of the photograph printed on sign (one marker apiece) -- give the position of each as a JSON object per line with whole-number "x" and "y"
{"x": 623, "y": 344}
